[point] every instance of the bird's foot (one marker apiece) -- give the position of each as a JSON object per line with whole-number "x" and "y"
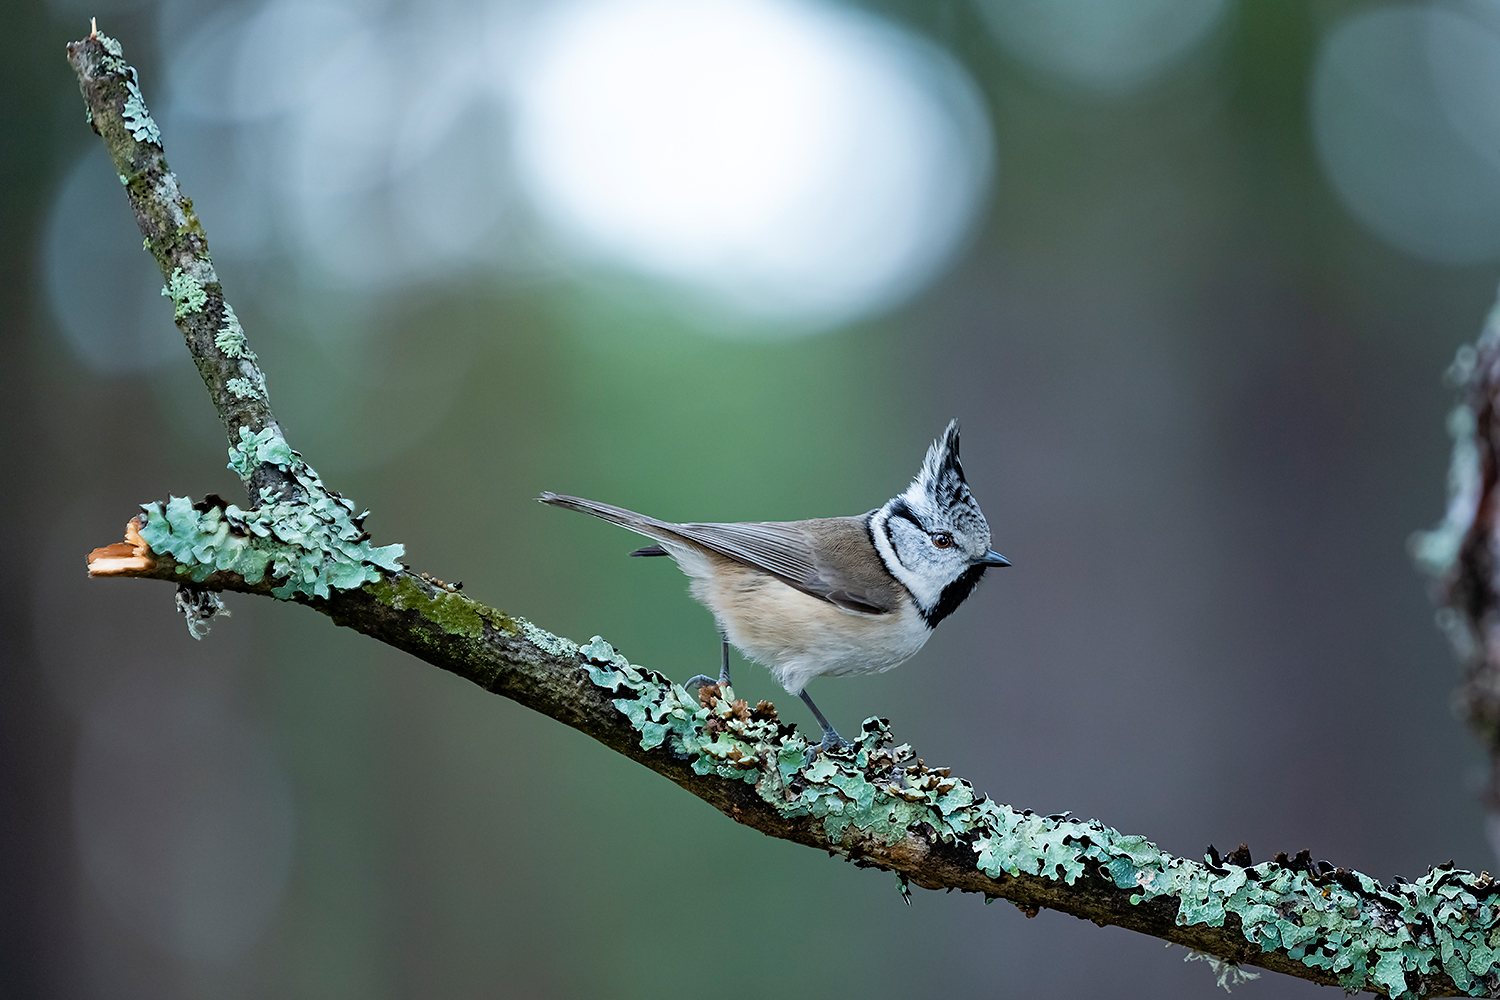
{"x": 832, "y": 742}
{"x": 698, "y": 682}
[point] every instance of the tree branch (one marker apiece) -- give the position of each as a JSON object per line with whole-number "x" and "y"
{"x": 116, "y": 110}
{"x": 874, "y": 805}
{"x": 1463, "y": 553}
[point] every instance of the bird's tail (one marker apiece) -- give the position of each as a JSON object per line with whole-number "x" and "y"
{"x": 639, "y": 523}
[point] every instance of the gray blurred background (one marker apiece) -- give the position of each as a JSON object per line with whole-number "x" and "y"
{"x": 1188, "y": 272}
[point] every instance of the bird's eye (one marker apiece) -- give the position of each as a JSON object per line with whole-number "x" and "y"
{"x": 942, "y": 540}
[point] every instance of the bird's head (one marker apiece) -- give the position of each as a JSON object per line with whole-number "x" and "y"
{"x": 933, "y": 537}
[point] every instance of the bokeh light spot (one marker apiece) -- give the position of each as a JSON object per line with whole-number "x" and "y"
{"x": 797, "y": 162}
{"x": 1107, "y": 46}
{"x": 1402, "y": 101}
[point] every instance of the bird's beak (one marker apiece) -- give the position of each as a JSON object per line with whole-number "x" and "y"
{"x": 993, "y": 558}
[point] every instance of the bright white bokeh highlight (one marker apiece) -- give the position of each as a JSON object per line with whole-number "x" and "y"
{"x": 1406, "y": 117}
{"x": 1103, "y": 46}
{"x": 794, "y": 161}
{"x": 767, "y": 166}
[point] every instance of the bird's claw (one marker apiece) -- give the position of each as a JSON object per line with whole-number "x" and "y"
{"x": 695, "y": 685}
{"x": 832, "y": 742}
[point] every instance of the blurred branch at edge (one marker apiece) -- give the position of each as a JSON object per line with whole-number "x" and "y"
{"x": 1464, "y": 551}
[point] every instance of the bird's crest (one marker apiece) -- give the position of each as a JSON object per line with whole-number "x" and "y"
{"x": 942, "y": 477}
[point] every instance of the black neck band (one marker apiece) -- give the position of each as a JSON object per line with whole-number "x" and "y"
{"x": 953, "y": 595}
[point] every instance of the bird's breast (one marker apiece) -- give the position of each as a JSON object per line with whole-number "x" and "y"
{"x": 799, "y": 636}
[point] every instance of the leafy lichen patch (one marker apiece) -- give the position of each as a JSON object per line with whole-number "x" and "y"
{"x": 135, "y": 116}
{"x": 243, "y": 388}
{"x": 186, "y": 292}
{"x": 312, "y": 541}
{"x": 230, "y": 340}
{"x": 262, "y": 447}
{"x": 308, "y": 550}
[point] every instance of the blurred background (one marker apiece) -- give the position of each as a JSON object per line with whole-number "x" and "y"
{"x": 1188, "y": 272}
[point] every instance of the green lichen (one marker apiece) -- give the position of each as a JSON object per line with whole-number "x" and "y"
{"x": 257, "y": 448}
{"x": 1345, "y": 923}
{"x": 311, "y": 542}
{"x": 230, "y": 340}
{"x": 454, "y": 612}
{"x": 137, "y": 119}
{"x": 542, "y": 639}
{"x": 1340, "y": 922}
{"x": 186, "y": 292}
{"x": 304, "y": 538}
{"x": 304, "y": 546}
{"x": 1226, "y": 974}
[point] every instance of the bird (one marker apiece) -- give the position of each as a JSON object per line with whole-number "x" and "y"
{"x": 829, "y": 596}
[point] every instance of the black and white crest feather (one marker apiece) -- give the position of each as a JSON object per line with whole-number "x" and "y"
{"x": 942, "y": 486}
{"x": 942, "y": 469}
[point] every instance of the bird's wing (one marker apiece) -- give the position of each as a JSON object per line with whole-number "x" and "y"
{"x": 841, "y": 566}
{"x": 830, "y": 558}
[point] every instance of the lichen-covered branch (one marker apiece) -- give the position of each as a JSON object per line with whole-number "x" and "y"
{"x": 875, "y": 804}
{"x": 116, "y": 110}
{"x": 311, "y": 538}
{"x": 1462, "y": 551}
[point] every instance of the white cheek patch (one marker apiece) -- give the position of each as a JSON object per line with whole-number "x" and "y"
{"x": 925, "y": 582}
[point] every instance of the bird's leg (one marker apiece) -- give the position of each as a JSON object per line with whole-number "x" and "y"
{"x": 831, "y": 739}
{"x": 696, "y": 682}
